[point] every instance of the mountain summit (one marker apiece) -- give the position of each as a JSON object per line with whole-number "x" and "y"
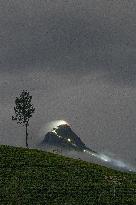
{"x": 63, "y": 136}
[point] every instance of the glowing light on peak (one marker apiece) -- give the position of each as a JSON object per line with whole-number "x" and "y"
{"x": 55, "y": 124}
{"x": 69, "y": 140}
{"x": 48, "y": 127}
{"x": 62, "y": 122}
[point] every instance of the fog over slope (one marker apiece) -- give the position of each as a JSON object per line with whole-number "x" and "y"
{"x": 77, "y": 59}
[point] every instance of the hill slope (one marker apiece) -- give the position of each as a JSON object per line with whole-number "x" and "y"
{"x": 37, "y": 177}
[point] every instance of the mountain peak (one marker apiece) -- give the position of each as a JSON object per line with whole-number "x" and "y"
{"x": 63, "y": 135}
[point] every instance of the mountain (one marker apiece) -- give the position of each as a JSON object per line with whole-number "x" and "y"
{"x": 62, "y": 139}
{"x": 63, "y": 136}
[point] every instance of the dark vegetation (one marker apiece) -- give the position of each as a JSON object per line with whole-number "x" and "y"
{"x": 35, "y": 177}
{"x": 23, "y": 111}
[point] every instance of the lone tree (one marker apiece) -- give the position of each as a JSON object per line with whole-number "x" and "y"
{"x": 23, "y": 111}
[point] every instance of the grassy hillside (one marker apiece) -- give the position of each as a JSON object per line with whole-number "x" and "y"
{"x": 37, "y": 177}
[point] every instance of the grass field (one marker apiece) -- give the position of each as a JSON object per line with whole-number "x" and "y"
{"x": 30, "y": 176}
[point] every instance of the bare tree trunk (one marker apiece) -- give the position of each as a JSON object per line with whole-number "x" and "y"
{"x": 26, "y": 136}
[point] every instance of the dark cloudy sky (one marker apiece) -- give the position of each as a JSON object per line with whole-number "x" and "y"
{"x": 78, "y": 60}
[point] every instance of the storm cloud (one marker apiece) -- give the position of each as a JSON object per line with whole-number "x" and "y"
{"x": 69, "y": 35}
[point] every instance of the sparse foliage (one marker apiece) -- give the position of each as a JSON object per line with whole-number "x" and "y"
{"x": 23, "y": 110}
